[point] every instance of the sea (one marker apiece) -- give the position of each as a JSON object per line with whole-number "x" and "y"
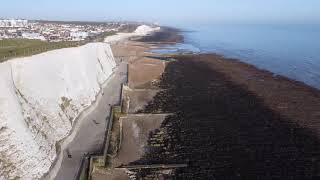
{"x": 289, "y": 50}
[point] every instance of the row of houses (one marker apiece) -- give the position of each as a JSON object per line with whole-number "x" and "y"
{"x": 13, "y": 23}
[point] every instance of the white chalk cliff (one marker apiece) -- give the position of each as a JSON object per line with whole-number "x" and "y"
{"x": 40, "y": 97}
{"x": 142, "y": 30}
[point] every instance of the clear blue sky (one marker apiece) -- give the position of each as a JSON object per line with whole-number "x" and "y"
{"x": 167, "y": 11}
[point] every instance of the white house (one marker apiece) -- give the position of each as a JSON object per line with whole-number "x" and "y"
{"x": 80, "y": 35}
{"x": 37, "y": 36}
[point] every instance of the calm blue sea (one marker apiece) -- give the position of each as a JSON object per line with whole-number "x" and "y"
{"x": 289, "y": 50}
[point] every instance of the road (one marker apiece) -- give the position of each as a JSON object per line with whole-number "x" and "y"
{"x": 90, "y": 129}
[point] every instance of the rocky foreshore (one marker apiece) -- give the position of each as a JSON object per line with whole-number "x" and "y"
{"x": 233, "y": 121}
{"x": 203, "y": 116}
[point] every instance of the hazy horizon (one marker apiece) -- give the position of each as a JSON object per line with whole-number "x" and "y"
{"x": 167, "y": 12}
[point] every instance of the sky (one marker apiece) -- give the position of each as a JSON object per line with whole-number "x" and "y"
{"x": 166, "y": 11}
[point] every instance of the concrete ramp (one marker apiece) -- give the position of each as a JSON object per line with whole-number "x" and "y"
{"x": 135, "y": 133}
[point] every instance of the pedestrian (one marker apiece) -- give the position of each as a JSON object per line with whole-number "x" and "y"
{"x": 68, "y": 153}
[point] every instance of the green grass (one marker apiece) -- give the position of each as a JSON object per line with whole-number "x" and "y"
{"x": 117, "y": 112}
{"x": 11, "y": 48}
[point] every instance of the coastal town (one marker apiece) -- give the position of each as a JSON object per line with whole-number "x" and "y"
{"x": 55, "y": 31}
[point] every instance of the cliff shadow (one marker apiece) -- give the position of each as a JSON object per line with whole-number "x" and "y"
{"x": 223, "y": 131}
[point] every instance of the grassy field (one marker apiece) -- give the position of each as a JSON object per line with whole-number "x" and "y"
{"x": 11, "y": 48}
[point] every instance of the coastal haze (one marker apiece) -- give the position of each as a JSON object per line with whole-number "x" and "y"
{"x": 159, "y": 89}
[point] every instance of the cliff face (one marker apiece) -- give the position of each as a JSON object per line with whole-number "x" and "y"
{"x": 40, "y": 98}
{"x": 142, "y": 30}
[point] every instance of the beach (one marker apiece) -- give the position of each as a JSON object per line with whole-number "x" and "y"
{"x": 223, "y": 119}
{"x": 232, "y": 120}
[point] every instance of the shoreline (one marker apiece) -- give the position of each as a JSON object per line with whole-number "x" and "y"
{"x": 234, "y": 120}
{"x": 263, "y": 83}
{"x": 299, "y": 86}
{"x": 294, "y": 99}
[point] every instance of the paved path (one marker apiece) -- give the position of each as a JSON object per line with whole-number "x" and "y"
{"x": 90, "y": 132}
